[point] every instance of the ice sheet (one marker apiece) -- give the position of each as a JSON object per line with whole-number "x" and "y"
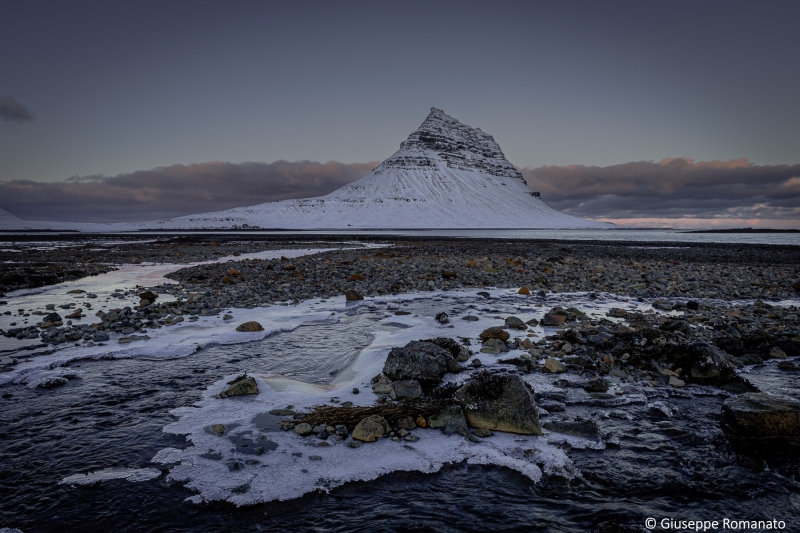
{"x": 107, "y": 474}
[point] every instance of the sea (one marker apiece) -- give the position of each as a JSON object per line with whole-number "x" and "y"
{"x": 132, "y": 440}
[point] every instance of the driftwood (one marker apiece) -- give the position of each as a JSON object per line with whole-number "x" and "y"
{"x": 333, "y": 415}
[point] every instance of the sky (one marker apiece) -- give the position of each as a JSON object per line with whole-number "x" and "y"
{"x": 142, "y": 99}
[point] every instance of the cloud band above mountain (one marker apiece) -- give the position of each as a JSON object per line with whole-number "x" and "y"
{"x": 175, "y": 190}
{"x": 664, "y": 192}
{"x": 669, "y": 192}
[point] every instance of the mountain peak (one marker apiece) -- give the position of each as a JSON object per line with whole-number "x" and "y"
{"x": 442, "y": 141}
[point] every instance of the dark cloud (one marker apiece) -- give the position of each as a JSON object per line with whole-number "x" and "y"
{"x": 13, "y": 111}
{"x": 672, "y": 189}
{"x": 175, "y": 190}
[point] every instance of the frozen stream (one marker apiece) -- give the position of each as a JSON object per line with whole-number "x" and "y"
{"x": 129, "y": 441}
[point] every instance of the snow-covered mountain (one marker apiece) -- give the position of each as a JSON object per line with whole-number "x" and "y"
{"x": 446, "y": 175}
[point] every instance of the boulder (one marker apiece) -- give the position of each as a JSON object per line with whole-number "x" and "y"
{"x": 459, "y": 352}
{"x": 303, "y": 429}
{"x": 554, "y": 366}
{"x": 52, "y": 318}
{"x": 525, "y": 291}
{"x": 494, "y": 333}
{"x": 762, "y": 423}
{"x": 418, "y": 360}
{"x": 250, "y": 326}
{"x": 405, "y": 422}
{"x": 78, "y": 313}
{"x": 352, "y": 296}
{"x": 240, "y": 386}
{"x": 370, "y": 429}
{"x": 501, "y": 402}
{"x": 776, "y": 353}
{"x": 515, "y": 323}
{"x": 703, "y": 363}
{"x": 676, "y": 382}
{"x": 495, "y": 343}
{"x": 148, "y": 295}
{"x": 451, "y": 419}
{"x": 405, "y": 390}
{"x": 553, "y": 320}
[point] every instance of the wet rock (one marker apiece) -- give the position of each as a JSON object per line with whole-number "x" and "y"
{"x": 405, "y": 422}
{"x": 353, "y": 296}
{"x": 703, "y": 363}
{"x": 241, "y": 386}
{"x": 676, "y": 382}
{"x": 748, "y": 359}
{"x": 494, "y": 333}
{"x": 515, "y": 323}
{"x": 477, "y": 363}
{"x": 579, "y": 427}
{"x": 596, "y": 385}
{"x": 554, "y": 366}
{"x": 405, "y": 390}
{"x": 499, "y": 402}
{"x": 422, "y": 361}
{"x": 218, "y": 428}
{"x": 524, "y": 291}
{"x": 442, "y": 318}
{"x": 382, "y": 388}
{"x": 227, "y": 317}
{"x": 370, "y": 429}
{"x": 250, "y": 326}
{"x": 459, "y": 352}
{"x": 553, "y": 320}
{"x": 762, "y": 423}
{"x": 664, "y": 305}
{"x": 148, "y": 295}
{"x": 451, "y": 419}
{"x": 496, "y": 344}
{"x": 776, "y": 353}
{"x": 77, "y": 314}
{"x": 303, "y": 429}
{"x": 53, "y": 318}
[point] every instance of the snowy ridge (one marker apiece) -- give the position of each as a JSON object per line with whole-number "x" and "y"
{"x": 446, "y": 175}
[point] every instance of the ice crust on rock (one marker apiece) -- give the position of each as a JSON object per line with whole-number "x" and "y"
{"x": 445, "y": 175}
